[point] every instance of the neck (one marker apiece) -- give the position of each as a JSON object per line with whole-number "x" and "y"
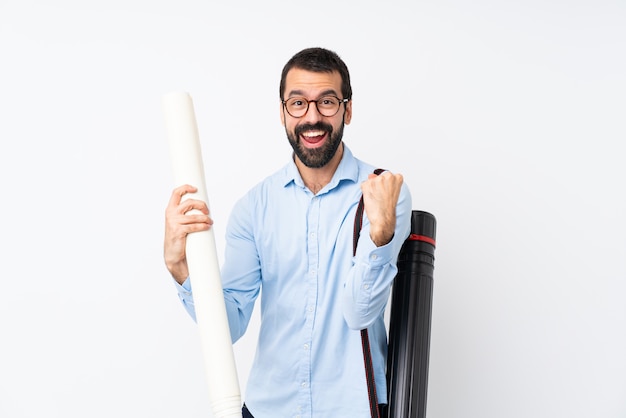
{"x": 316, "y": 178}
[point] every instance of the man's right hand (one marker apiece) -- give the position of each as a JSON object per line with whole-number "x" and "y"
{"x": 178, "y": 224}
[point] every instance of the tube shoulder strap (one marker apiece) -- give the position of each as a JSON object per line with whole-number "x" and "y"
{"x": 367, "y": 354}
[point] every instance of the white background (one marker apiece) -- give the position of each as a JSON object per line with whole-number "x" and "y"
{"x": 507, "y": 119}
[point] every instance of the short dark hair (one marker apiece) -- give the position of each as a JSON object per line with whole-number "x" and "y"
{"x": 318, "y": 60}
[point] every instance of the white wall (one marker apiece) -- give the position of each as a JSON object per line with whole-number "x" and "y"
{"x": 506, "y": 118}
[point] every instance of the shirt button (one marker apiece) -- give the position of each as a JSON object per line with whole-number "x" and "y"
{"x": 310, "y": 309}
{"x": 306, "y": 346}
{"x": 366, "y": 286}
{"x": 374, "y": 257}
{"x": 303, "y": 384}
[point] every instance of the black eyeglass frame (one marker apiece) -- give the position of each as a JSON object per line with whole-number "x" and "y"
{"x": 308, "y": 103}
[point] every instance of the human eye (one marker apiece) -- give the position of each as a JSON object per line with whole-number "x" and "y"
{"x": 296, "y": 103}
{"x": 328, "y": 101}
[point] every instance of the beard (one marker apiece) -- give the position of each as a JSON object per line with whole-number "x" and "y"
{"x": 316, "y": 157}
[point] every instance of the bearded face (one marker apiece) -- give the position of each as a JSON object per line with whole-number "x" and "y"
{"x": 315, "y": 137}
{"x": 315, "y": 157}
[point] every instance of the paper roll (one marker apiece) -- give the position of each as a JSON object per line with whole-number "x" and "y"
{"x": 204, "y": 272}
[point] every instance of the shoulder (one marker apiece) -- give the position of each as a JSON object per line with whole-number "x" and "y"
{"x": 263, "y": 191}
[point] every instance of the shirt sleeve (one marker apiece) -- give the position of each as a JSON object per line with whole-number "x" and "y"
{"x": 240, "y": 273}
{"x": 186, "y": 297}
{"x": 369, "y": 282}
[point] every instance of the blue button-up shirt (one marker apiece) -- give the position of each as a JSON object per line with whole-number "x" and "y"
{"x": 296, "y": 248}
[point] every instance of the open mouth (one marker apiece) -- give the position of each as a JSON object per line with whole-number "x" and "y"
{"x": 313, "y": 137}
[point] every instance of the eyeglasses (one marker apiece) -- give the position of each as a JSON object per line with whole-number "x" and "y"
{"x": 326, "y": 106}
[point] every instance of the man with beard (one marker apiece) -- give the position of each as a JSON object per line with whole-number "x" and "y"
{"x": 292, "y": 236}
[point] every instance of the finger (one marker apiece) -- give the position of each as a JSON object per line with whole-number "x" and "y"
{"x": 196, "y": 227}
{"x": 398, "y": 178}
{"x": 194, "y": 219}
{"x": 179, "y": 192}
{"x": 192, "y": 204}
{"x": 383, "y": 185}
{"x": 390, "y": 178}
{"x": 185, "y": 230}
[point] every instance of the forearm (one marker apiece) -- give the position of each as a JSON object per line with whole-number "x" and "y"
{"x": 369, "y": 281}
{"x": 179, "y": 271}
{"x": 383, "y": 233}
{"x": 368, "y": 285}
{"x": 237, "y": 318}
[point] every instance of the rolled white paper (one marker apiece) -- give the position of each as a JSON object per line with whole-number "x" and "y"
{"x": 204, "y": 272}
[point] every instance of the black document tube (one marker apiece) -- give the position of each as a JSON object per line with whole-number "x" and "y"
{"x": 409, "y": 323}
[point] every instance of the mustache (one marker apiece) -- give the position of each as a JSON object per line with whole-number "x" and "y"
{"x": 318, "y": 126}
